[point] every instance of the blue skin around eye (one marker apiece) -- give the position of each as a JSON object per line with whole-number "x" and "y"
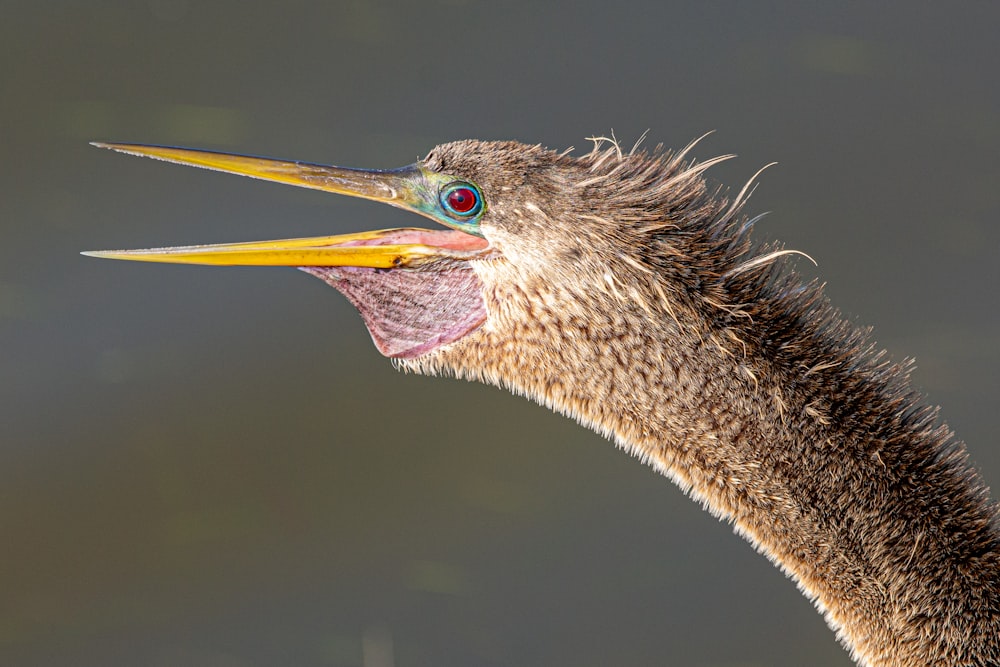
{"x": 469, "y": 220}
{"x": 473, "y": 211}
{"x": 426, "y": 192}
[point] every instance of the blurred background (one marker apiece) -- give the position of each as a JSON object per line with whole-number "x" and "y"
{"x": 215, "y": 468}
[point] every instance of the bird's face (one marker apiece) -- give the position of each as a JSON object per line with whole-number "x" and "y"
{"x": 417, "y": 289}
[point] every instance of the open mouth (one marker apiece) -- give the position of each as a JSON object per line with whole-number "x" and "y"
{"x": 435, "y": 297}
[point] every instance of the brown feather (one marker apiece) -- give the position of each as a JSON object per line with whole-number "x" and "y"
{"x": 628, "y": 295}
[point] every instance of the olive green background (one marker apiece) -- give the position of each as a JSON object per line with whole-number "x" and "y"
{"x": 215, "y": 468}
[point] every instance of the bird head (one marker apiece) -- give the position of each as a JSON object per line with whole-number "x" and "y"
{"x": 522, "y": 226}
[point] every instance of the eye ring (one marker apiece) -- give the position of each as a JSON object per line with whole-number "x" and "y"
{"x": 461, "y": 200}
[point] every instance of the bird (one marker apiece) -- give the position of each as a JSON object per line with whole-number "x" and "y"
{"x": 620, "y": 288}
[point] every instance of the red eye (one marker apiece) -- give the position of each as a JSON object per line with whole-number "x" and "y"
{"x": 461, "y": 199}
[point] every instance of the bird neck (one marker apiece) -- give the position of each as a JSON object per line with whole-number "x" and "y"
{"x": 819, "y": 454}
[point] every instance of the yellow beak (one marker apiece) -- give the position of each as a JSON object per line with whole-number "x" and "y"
{"x": 342, "y": 250}
{"x": 413, "y": 188}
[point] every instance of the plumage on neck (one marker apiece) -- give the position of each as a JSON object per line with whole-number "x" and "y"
{"x": 638, "y": 307}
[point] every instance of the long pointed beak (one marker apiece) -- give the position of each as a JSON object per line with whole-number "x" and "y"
{"x": 413, "y": 188}
{"x": 390, "y": 186}
{"x": 383, "y": 249}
